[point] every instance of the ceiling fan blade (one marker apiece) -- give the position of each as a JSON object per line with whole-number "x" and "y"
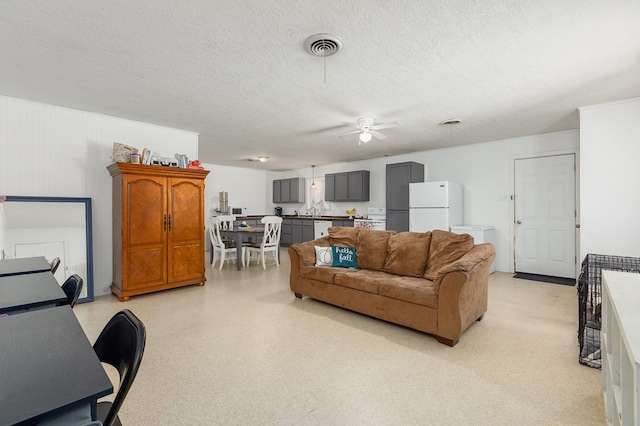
{"x": 347, "y": 134}
{"x": 351, "y": 124}
{"x": 386, "y": 125}
{"x": 377, "y": 134}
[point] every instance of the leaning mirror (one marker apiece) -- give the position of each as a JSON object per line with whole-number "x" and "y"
{"x": 50, "y": 227}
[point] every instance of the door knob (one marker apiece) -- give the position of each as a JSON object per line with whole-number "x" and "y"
{"x": 518, "y": 222}
{"x": 577, "y": 225}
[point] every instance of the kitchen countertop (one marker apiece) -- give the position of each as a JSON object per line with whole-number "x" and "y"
{"x": 292, "y": 216}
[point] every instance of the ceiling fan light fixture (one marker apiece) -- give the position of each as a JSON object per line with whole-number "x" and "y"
{"x": 365, "y": 136}
{"x": 263, "y": 159}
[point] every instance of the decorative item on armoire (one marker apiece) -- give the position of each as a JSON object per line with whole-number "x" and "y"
{"x": 122, "y": 153}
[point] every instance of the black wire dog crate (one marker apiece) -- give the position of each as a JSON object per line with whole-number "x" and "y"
{"x": 590, "y": 301}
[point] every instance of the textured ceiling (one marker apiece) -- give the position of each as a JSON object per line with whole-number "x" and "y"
{"x": 237, "y": 73}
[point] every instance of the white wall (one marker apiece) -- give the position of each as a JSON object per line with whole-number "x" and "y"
{"x": 610, "y": 178}
{"x": 48, "y": 150}
{"x": 485, "y": 170}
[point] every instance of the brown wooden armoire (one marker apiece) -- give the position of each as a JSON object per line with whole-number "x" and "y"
{"x": 158, "y": 228}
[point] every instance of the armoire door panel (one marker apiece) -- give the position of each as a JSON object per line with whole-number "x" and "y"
{"x": 187, "y": 222}
{"x": 145, "y": 268}
{"x": 186, "y": 262}
{"x": 145, "y": 210}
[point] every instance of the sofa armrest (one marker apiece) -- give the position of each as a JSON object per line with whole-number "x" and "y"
{"x": 479, "y": 253}
{"x": 306, "y": 252}
{"x": 463, "y": 290}
{"x": 303, "y": 254}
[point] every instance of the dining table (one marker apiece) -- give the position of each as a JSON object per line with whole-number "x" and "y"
{"x": 23, "y": 265}
{"x": 48, "y": 367}
{"x": 21, "y": 293}
{"x": 239, "y": 233}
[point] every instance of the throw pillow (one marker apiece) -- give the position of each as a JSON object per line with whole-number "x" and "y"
{"x": 446, "y": 247}
{"x": 407, "y": 253}
{"x": 344, "y": 257}
{"x": 323, "y": 256}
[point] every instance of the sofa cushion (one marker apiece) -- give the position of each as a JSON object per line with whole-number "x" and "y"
{"x": 344, "y": 257}
{"x": 361, "y": 279}
{"x": 446, "y": 247}
{"x": 409, "y": 289}
{"x": 343, "y": 236}
{"x": 324, "y": 256}
{"x": 372, "y": 248}
{"x": 407, "y": 253}
{"x": 325, "y": 274}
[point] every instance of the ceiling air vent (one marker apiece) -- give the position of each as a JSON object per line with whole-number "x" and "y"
{"x": 322, "y": 44}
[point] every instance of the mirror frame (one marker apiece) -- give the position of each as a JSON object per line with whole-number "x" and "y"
{"x": 87, "y": 225}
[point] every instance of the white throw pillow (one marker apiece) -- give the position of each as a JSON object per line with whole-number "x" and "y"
{"x": 323, "y": 256}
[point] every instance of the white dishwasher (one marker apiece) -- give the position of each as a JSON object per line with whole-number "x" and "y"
{"x": 321, "y": 228}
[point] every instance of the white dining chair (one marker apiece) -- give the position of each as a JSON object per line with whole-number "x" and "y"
{"x": 270, "y": 241}
{"x": 222, "y": 250}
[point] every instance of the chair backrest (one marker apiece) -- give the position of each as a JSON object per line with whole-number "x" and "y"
{"x": 272, "y": 226}
{"x": 72, "y": 287}
{"x": 55, "y": 262}
{"x": 121, "y": 344}
{"x": 214, "y": 235}
{"x": 225, "y": 221}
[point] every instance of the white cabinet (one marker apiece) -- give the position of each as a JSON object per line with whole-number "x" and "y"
{"x": 620, "y": 346}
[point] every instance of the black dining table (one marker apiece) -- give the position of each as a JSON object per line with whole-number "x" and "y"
{"x": 23, "y": 265}
{"x": 47, "y": 367}
{"x": 20, "y": 293}
{"x": 239, "y": 233}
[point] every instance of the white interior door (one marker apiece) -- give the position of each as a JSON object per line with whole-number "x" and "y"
{"x": 545, "y": 216}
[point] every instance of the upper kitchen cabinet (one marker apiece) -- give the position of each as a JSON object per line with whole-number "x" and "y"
{"x": 347, "y": 186}
{"x": 288, "y": 190}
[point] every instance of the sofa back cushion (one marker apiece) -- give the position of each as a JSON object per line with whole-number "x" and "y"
{"x": 343, "y": 236}
{"x": 407, "y": 254}
{"x": 446, "y": 247}
{"x": 372, "y": 248}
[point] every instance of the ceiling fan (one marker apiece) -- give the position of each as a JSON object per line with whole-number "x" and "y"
{"x": 367, "y": 128}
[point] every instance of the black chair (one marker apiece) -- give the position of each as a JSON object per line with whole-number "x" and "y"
{"x": 120, "y": 344}
{"x": 72, "y": 288}
{"x": 55, "y": 262}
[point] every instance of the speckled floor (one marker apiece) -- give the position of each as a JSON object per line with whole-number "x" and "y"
{"x": 242, "y": 350}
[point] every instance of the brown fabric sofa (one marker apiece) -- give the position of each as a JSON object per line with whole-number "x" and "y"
{"x": 435, "y": 282}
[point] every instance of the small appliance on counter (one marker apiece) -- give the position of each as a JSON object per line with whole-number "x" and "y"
{"x": 279, "y": 211}
{"x": 237, "y": 211}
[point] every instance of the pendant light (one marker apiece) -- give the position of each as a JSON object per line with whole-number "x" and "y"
{"x": 450, "y": 123}
{"x": 313, "y": 179}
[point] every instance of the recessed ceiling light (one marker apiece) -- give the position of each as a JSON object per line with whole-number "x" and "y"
{"x": 263, "y": 159}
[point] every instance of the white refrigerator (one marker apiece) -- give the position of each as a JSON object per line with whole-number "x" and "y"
{"x": 434, "y": 205}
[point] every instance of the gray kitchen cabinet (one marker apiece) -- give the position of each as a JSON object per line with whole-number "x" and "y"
{"x": 307, "y": 231}
{"x": 301, "y": 231}
{"x": 285, "y": 232}
{"x": 347, "y": 186}
{"x": 288, "y": 190}
{"x": 399, "y": 176}
{"x": 342, "y": 187}
{"x": 277, "y": 192}
{"x": 329, "y": 187}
